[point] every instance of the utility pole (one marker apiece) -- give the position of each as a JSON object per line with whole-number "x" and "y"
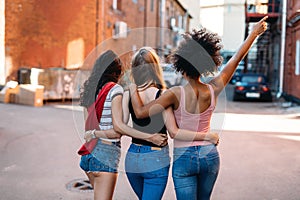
{"x": 162, "y": 24}
{"x": 282, "y": 52}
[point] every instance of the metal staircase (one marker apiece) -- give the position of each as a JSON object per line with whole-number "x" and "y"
{"x": 264, "y": 54}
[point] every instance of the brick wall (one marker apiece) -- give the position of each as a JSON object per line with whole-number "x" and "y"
{"x": 37, "y": 32}
{"x": 62, "y": 33}
{"x": 291, "y": 80}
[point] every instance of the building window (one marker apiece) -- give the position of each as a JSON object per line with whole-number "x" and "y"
{"x": 116, "y": 4}
{"x": 297, "y": 59}
{"x": 135, "y": 1}
{"x": 179, "y": 22}
{"x": 172, "y": 23}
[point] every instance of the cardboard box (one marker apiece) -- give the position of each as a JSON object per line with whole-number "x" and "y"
{"x": 3, "y": 98}
{"x": 7, "y": 94}
{"x": 32, "y": 95}
{"x": 13, "y": 98}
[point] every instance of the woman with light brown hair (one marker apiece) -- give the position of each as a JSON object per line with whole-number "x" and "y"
{"x": 147, "y": 164}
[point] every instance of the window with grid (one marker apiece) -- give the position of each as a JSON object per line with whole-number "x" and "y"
{"x": 117, "y": 4}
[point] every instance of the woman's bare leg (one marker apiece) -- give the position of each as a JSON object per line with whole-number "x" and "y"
{"x": 91, "y": 178}
{"x": 104, "y": 185}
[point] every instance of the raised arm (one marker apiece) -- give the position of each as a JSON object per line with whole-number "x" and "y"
{"x": 158, "y": 105}
{"x": 183, "y": 134}
{"x": 225, "y": 75}
{"x": 122, "y": 128}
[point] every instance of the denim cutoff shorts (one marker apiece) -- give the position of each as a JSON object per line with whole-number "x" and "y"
{"x": 104, "y": 158}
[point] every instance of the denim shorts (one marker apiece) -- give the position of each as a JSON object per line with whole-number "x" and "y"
{"x": 104, "y": 158}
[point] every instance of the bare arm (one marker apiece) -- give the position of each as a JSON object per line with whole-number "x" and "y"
{"x": 122, "y": 128}
{"x": 186, "y": 135}
{"x": 110, "y": 133}
{"x": 225, "y": 75}
{"x": 158, "y": 105}
{"x": 125, "y": 102}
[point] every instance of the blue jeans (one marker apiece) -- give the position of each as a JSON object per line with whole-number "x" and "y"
{"x": 147, "y": 170}
{"x": 195, "y": 170}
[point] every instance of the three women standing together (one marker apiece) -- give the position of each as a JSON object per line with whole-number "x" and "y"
{"x": 184, "y": 112}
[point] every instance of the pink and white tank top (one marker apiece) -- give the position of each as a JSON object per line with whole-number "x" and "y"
{"x": 194, "y": 122}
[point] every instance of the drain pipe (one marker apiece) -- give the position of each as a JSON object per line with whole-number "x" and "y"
{"x": 282, "y": 52}
{"x": 162, "y": 25}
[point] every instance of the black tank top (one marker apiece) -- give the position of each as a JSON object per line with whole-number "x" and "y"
{"x": 153, "y": 124}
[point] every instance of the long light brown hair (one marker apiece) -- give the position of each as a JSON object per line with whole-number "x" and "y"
{"x": 145, "y": 68}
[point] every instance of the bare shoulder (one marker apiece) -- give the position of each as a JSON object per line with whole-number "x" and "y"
{"x": 217, "y": 84}
{"x": 173, "y": 96}
{"x": 171, "y": 93}
{"x": 176, "y": 90}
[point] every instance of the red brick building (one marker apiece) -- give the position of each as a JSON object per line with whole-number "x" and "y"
{"x": 291, "y": 86}
{"x": 56, "y": 33}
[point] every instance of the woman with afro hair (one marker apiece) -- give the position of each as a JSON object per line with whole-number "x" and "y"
{"x": 196, "y": 163}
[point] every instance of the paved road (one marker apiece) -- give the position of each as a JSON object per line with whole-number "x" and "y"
{"x": 259, "y": 152}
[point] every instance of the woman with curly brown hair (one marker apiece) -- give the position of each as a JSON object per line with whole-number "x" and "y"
{"x": 102, "y": 99}
{"x": 196, "y": 163}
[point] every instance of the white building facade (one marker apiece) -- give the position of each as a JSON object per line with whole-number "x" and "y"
{"x": 225, "y": 17}
{"x": 193, "y": 8}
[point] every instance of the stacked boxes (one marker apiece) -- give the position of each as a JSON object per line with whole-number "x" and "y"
{"x": 26, "y": 94}
{"x": 9, "y": 95}
{"x": 32, "y": 95}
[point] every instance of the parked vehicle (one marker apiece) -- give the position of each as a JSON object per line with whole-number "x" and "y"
{"x": 252, "y": 87}
{"x": 171, "y": 77}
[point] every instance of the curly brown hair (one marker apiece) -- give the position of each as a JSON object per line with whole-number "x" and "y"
{"x": 107, "y": 68}
{"x": 198, "y": 54}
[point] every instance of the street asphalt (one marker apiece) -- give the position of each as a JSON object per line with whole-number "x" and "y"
{"x": 259, "y": 151}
